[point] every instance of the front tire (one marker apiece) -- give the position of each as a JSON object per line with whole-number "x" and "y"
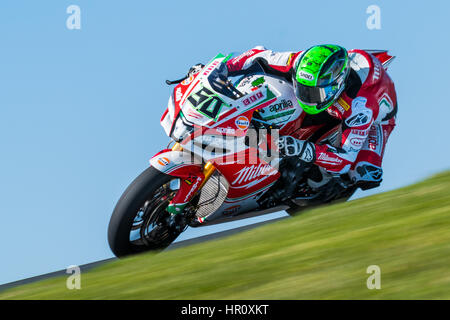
{"x": 140, "y": 207}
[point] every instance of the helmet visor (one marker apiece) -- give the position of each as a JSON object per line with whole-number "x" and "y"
{"x": 315, "y": 95}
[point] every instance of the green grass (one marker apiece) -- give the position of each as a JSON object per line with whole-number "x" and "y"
{"x": 320, "y": 254}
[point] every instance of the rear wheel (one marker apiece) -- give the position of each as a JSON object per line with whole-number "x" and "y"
{"x": 140, "y": 221}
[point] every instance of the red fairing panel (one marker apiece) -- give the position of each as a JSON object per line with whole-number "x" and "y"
{"x": 383, "y": 56}
{"x": 193, "y": 179}
{"x": 180, "y": 165}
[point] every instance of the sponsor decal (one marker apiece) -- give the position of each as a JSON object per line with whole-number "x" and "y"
{"x": 326, "y": 158}
{"x": 283, "y": 105}
{"x": 358, "y": 119}
{"x": 243, "y": 55}
{"x": 258, "y": 82}
{"x": 376, "y": 71}
{"x": 211, "y": 67}
{"x": 279, "y": 115}
{"x": 373, "y": 139}
{"x": 362, "y": 133}
{"x": 226, "y": 130}
{"x": 187, "y": 81}
{"x": 305, "y": 75}
{"x": 231, "y": 210}
{"x": 163, "y": 161}
{"x": 253, "y": 98}
{"x": 207, "y": 103}
{"x": 242, "y": 122}
{"x": 343, "y": 104}
{"x": 194, "y": 187}
{"x": 361, "y": 115}
{"x": 178, "y": 94}
{"x": 189, "y": 180}
{"x": 341, "y": 110}
{"x": 252, "y": 172}
{"x": 357, "y": 142}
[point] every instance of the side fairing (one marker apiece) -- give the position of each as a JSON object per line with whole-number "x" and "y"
{"x": 176, "y": 163}
{"x": 284, "y": 108}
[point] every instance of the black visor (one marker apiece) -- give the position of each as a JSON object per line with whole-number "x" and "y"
{"x": 315, "y": 95}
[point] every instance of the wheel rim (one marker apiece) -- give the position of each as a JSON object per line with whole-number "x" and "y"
{"x": 150, "y": 228}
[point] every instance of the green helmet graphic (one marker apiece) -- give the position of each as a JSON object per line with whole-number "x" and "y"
{"x": 319, "y": 77}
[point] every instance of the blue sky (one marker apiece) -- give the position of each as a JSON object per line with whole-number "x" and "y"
{"x": 80, "y": 109}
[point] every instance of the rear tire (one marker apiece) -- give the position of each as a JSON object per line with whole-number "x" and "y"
{"x": 143, "y": 190}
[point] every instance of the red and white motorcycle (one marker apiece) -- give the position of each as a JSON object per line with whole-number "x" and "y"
{"x": 224, "y": 164}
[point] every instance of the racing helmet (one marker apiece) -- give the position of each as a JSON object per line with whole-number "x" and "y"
{"x": 319, "y": 77}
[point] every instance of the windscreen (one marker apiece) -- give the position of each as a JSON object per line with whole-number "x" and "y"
{"x": 219, "y": 82}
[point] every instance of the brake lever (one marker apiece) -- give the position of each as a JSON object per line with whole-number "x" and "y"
{"x": 192, "y": 70}
{"x": 168, "y": 82}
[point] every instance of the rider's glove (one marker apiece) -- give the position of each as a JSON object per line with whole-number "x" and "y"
{"x": 291, "y": 147}
{"x": 195, "y": 69}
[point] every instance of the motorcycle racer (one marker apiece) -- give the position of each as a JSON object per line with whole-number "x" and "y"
{"x": 330, "y": 110}
{"x": 332, "y": 84}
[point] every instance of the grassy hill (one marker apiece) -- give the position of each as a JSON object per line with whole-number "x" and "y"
{"x": 320, "y": 254}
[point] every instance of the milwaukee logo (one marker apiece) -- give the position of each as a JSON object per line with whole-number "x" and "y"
{"x": 326, "y": 158}
{"x": 253, "y": 172}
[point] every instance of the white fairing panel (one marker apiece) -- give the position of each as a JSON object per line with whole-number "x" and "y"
{"x": 168, "y": 161}
{"x": 284, "y": 109}
{"x": 166, "y": 122}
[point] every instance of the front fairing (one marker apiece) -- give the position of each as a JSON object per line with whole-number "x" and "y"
{"x": 194, "y": 102}
{"x": 284, "y": 109}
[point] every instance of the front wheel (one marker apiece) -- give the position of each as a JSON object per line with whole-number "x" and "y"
{"x": 140, "y": 221}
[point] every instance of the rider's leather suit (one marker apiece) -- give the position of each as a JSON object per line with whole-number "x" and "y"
{"x": 366, "y": 112}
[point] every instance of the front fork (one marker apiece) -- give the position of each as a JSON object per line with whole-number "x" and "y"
{"x": 189, "y": 186}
